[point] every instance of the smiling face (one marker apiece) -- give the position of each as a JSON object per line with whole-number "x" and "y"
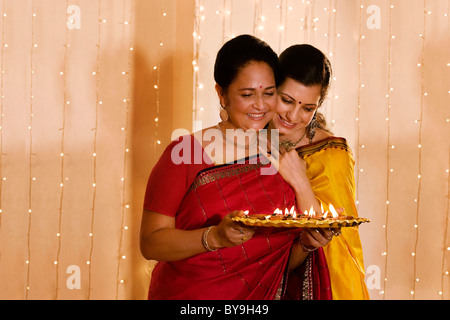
{"x": 251, "y": 98}
{"x": 296, "y": 107}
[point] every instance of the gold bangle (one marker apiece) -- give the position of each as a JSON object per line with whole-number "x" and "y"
{"x": 205, "y": 239}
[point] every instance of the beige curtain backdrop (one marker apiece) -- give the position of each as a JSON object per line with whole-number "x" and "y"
{"x": 91, "y": 91}
{"x": 390, "y": 98}
{"x": 79, "y": 137}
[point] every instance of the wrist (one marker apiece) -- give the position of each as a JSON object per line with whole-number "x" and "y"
{"x": 301, "y": 186}
{"x": 305, "y": 248}
{"x": 209, "y": 239}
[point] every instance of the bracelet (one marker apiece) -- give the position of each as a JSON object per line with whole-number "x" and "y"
{"x": 205, "y": 239}
{"x": 304, "y": 247}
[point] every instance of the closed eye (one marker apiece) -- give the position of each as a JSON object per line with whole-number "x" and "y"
{"x": 286, "y": 101}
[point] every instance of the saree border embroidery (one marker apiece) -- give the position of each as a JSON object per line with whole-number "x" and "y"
{"x": 227, "y": 171}
{"x": 307, "y": 286}
{"x": 331, "y": 142}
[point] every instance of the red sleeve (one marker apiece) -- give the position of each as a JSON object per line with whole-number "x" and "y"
{"x": 172, "y": 176}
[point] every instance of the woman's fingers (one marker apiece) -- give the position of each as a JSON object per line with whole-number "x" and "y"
{"x": 235, "y": 233}
{"x": 274, "y": 160}
{"x": 317, "y": 237}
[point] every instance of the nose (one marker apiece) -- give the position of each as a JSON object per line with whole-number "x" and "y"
{"x": 292, "y": 113}
{"x": 259, "y": 103}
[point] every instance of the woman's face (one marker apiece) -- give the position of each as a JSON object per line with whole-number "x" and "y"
{"x": 251, "y": 98}
{"x": 296, "y": 107}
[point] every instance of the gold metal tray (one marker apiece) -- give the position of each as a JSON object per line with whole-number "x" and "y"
{"x": 301, "y": 222}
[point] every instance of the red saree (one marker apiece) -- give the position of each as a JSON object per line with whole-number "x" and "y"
{"x": 201, "y": 195}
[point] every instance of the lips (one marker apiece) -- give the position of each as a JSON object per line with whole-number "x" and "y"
{"x": 256, "y": 116}
{"x": 286, "y": 123}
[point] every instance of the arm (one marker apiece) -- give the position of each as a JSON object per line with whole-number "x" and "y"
{"x": 293, "y": 169}
{"x": 160, "y": 240}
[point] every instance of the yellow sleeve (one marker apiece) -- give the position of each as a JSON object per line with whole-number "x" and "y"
{"x": 332, "y": 179}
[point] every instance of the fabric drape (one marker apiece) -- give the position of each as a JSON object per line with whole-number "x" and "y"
{"x": 200, "y": 196}
{"x": 330, "y": 169}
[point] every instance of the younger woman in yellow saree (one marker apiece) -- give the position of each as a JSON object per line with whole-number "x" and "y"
{"x": 314, "y": 157}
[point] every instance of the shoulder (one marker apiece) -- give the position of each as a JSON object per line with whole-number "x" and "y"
{"x": 327, "y": 144}
{"x": 207, "y": 136}
{"x": 321, "y": 135}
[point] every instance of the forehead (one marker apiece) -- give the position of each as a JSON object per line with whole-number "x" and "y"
{"x": 300, "y": 92}
{"x": 253, "y": 75}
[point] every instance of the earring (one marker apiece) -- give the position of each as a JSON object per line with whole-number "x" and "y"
{"x": 223, "y": 114}
{"x": 312, "y": 128}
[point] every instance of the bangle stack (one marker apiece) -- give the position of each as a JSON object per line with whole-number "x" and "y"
{"x": 205, "y": 239}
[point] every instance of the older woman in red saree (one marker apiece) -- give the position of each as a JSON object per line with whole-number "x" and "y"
{"x": 189, "y": 204}
{"x": 251, "y": 270}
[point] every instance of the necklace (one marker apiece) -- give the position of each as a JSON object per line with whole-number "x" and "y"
{"x": 288, "y": 144}
{"x": 238, "y": 136}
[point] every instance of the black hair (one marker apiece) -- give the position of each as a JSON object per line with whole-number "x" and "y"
{"x": 309, "y": 66}
{"x": 238, "y": 52}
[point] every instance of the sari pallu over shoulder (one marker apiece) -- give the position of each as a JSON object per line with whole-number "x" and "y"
{"x": 253, "y": 270}
{"x": 330, "y": 170}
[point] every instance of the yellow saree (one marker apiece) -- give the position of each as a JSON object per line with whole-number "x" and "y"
{"x": 330, "y": 166}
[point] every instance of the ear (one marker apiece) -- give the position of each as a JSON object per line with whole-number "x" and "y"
{"x": 222, "y": 96}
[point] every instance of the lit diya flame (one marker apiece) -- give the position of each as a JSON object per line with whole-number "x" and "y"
{"x": 291, "y": 212}
{"x": 311, "y": 213}
{"x": 333, "y": 211}
{"x": 246, "y": 212}
{"x": 278, "y": 211}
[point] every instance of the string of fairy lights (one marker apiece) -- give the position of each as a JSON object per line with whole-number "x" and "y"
{"x": 2, "y": 98}
{"x": 227, "y": 30}
{"x": 331, "y": 54}
{"x": 444, "y": 271}
{"x": 98, "y": 103}
{"x": 282, "y": 7}
{"x": 198, "y": 17}
{"x": 446, "y": 246}
{"x": 127, "y": 25}
{"x": 65, "y": 104}
{"x": 31, "y": 154}
{"x": 258, "y": 19}
{"x": 358, "y": 108}
{"x": 157, "y": 85}
{"x": 419, "y": 145}
{"x": 389, "y": 146}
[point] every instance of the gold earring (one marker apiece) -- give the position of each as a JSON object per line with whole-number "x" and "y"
{"x": 224, "y": 115}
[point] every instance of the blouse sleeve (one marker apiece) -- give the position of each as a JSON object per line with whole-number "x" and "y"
{"x": 167, "y": 184}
